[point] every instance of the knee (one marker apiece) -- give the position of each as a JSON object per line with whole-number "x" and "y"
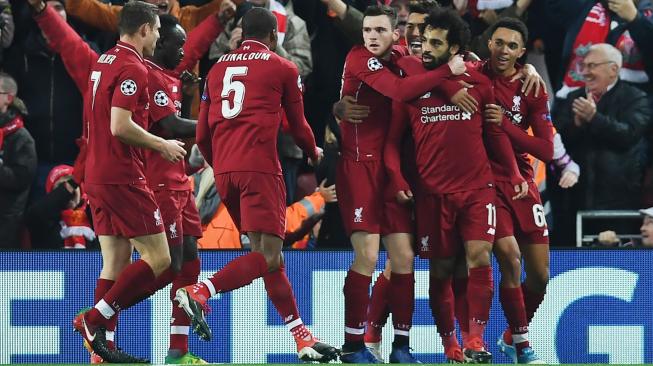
{"x": 539, "y": 281}
{"x": 367, "y": 258}
{"x": 160, "y": 262}
{"x": 176, "y": 263}
{"x": 402, "y": 262}
{"x": 477, "y": 257}
{"x": 442, "y": 268}
{"x": 273, "y": 261}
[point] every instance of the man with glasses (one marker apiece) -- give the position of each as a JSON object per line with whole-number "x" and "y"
{"x": 603, "y": 127}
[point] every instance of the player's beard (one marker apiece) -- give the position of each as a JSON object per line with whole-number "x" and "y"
{"x": 431, "y": 62}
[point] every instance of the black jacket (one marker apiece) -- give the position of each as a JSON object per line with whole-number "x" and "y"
{"x": 51, "y": 96}
{"x": 16, "y": 174}
{"x": 610, "y": 149}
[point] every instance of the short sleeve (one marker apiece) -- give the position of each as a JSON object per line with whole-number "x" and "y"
{"x": 130, "y": 84}
{"x": 161, "y": 105}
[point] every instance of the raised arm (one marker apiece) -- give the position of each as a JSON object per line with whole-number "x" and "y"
{"x": 78, "y": 57}
{"x": 198, "y": 42}
{"x": 95, "y": 13}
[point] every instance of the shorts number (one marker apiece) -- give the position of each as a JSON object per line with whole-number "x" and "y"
{"x": 95, "y": 78}
{"x": 538, "y": 215}
{"x": 491, "y": 215}
{"x": 237, "y": 87}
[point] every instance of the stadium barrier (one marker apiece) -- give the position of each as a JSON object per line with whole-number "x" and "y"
{"x": 597, "y": 310}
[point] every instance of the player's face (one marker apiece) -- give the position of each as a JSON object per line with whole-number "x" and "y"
{"x": 58, "y": 7}
{"x": 506, "y": 46}
{"x": 379, "y": 35}
{"x": 647, "y": 231}
{"x": 598, "y": 71}
{"x": 415, "y": 20}
{"x": 172, "y": 47}
{"x": 435, "y": 47}
{"x": 151, "y": 36}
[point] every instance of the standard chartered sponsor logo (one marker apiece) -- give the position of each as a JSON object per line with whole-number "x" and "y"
{"x": 443, "y": 113}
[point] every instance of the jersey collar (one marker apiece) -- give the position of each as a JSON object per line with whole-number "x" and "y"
{"x": 254, "y": 44}
{"x": 129, "y": 47}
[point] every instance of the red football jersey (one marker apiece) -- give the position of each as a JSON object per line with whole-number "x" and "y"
{"x": 449, "y": 143}
{"x": 240, "y": 113}
{"x": 165, "y": 99}
{"x": 118, "y": 79}
{"x": 522, "y": 112}
{"x": 375, "y": 83}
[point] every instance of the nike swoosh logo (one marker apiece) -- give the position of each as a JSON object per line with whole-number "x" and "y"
{"x": 90, "y": 337}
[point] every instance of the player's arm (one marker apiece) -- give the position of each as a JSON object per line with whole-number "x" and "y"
{"x": 178, "y": 127}
{"x": 78, "y": 57}
{"x": 384, "y": 81}
{"x": 391, "y": 150}
{"x": 293, "y": 105}
{"x": 203, "y": 133}
{"x": 198, "y": 42}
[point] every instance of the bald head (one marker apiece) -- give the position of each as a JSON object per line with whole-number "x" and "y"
{"x": 258, "y": 23}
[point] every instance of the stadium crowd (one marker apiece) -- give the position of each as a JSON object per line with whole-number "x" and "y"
{"x": 606, "y": 166}
{"x": 417, "y": 120}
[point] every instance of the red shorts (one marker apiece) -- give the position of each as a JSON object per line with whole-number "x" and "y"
{"x": 255, "y": 201}
{"x": 524, "y": 218}
{"x": 445, "y": 222}
{"x": 180, "y": 216}
{"x": 365, "y": 203}
{"x": 124, "y": 210}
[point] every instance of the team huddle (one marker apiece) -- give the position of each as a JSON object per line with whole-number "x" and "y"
{"x": 439, "y": 166}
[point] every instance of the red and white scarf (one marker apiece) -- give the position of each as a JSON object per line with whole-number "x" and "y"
{"x": 11, "y": 127}
{"x": 595, "y": 30}
{"x": 281, "y": 14}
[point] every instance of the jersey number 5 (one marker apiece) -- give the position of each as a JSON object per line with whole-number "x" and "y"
{"x": 237, "y": 87}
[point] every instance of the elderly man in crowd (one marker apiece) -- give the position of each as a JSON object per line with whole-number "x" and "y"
{"x": 603, "y": 127}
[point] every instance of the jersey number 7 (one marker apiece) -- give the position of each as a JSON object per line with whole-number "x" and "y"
{"x": 237, "y": 87}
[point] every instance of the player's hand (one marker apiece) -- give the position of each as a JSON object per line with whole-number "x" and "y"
{"x": 172, "y": 150}
{"x": 532, "y": 80}
{"x": 493, "y": 114}
{"x": 608, "y": 238}
{"x": 404, "y": 197}
{"x": 584, "y": 108}
{"x": 463, "y": 100}
{"x": 320, "y": 155}
{"x": 521, "y": 191}
{"x": 227, "y": 11}
{"x": 328, "y": 193}
{"x": 457, "y": 65}
{"x": 188, "y": 82}
{"x": 568, "y": 179}
{"x": 347, "y": 110}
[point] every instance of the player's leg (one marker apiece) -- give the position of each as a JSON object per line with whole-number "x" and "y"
{"x": 508, "y": 257}
{"x": 441, "y": 301}
{"x": 536, "y": 264}
{"x": 402, "y": 288}
{"x": 460, "y": 297}
{"x": 378, "y": 311}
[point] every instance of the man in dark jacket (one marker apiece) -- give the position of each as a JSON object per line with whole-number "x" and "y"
{"x": 603, "y": 128}
{"x": 51, "y": 96}
{"x": 17, "y": 162}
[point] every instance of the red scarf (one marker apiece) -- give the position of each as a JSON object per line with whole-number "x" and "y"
{"x": 11, "y": 127}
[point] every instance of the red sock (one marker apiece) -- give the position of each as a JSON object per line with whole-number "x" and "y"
{"x": 461, "y": 308}
{"x": 280, "y": 293}
{"x": 180, "y": 322}
{"x": 378, "y": 312}
{"x": 442, "y": 307}
{"x": 357, "y": 298}
{"x": 102, "y": 286}
{"x": 512, "y": 302}
{"x": 480, "y": 288}
{"x": 532, "y": 301}
{"x": 239, "y": 272}
{"x": 402, "y": 302}
{"x": 134, "y": 280}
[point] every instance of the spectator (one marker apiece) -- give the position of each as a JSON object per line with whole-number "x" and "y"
{"x": 610, "y": 239}
{"x": 6, "y": 26}
{"x": 626, "y": 24}
{"x": 52, "y": 98}
{"x": 17, "y": 162}
{"x": 603, "y": 128}
{"x": 61, "y": 218}
{"x": 105, "y": 16}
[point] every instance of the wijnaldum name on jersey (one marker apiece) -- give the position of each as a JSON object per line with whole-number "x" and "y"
{"x": 230, "y": 57}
